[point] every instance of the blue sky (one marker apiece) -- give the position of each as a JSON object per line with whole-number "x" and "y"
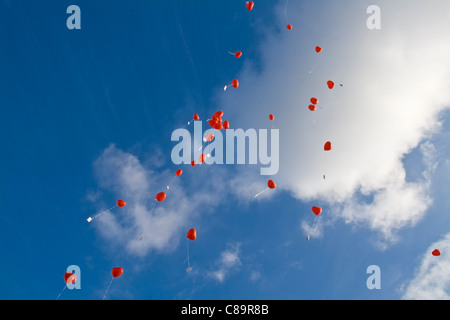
{"x": 87, "y": 117}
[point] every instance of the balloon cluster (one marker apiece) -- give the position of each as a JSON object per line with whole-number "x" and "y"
{"x": 216, "y": 121}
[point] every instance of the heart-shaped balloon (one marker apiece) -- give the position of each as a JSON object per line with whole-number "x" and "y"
{"x": 436, "y": 252}
{"x": 317, "y": 210}
{"x": 192, "y": 234}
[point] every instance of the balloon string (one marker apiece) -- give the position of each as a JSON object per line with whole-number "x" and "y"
{"x": 168, "y": 186}
{"x": 107, "y": 289}
{"x": 285, "y": 9}
{"x": 315, "y": 65}
{"x": 101, "y": 213}
{"x": 202, "y": 146}
{"x": 314, "y": 223}
{"x": 261, "y": 192}
{"x": 61, "y": 292}
{"x": 187, "y": 252}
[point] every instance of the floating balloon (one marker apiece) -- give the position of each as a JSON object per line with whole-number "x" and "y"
{"x": 119, "y": 203}
{"x": 237, "y": 54}
{"x": 316, "y": 210}
{"x": 211, "y": 123}
{"x": 69, "y": 277}
{"x": 160, "y": 196}
{"x": 195, "y": 117}
{"x": 178, "y": 173}
{"x": 209, "y": 137}
{"x": 314, "y": 100}
{"x": 436, "y": 253}
{"x": 327, "y": 146}
{"x": 193, "y": 163}
{"x": 289, "y": 26}
{"x": 250, "y": 5}
{"x": 271, "y": 184}
{"x": 116, "y": 272}
{"x": 312, "y": 107}
{"x": 318, "y": 49}
{"x": 330, "y": 84}
{"x": 216, "y": 122}
{"x": 234, "y": 84}
{"x": 192, "y": 234}
{"x": 202, "y": 158}
{"x": 271, "y": 117}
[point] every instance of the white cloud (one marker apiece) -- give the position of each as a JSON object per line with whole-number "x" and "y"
{"x": 229, "y": 260}
{"x": 159, "y": 224}
{"x": 395, "y": 86}
{"x": 432, "y": 280}
{"x": 162, "y": 225}
{"x": 255, "y": 275}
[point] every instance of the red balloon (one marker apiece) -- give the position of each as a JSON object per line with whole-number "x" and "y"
{"x": 317, "y": 210}
{"x": 211, "y": 123}
{"x": 218, "y": 126}
{"x": 327, "y": 146}
{"x": 196, "y": 117}
{"x": 238, "y": 54}
{"x": 70, "y": 277}
{"x": 271, "y": 117}
{"x": 312, "y": 107}
{"x": 160, "y": 196}
{"x": 318, "y": 49}
{"x": 250, "y": 5}
{"x": 178, "y": 172}
{"x": 226, "y": 124}
{"x": 219, "y": 114}
{"x": 202, "y": 158}
{"x": 330, "y": 84}
{"x": 215, "y": 119}
{"x": 116, "y": 272}
{"x": 289, "y": 27}
{"x": 193, "y": 163}
{"x": 121, "y": 203}
{"x": 192, "y": 234}
{"x": 209, "y": 137}
{"x": 235, "y": 83}
{"x": 271, "y": 184}
{"x": 436, "y": 253}
{"x": 314, "y": 100}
